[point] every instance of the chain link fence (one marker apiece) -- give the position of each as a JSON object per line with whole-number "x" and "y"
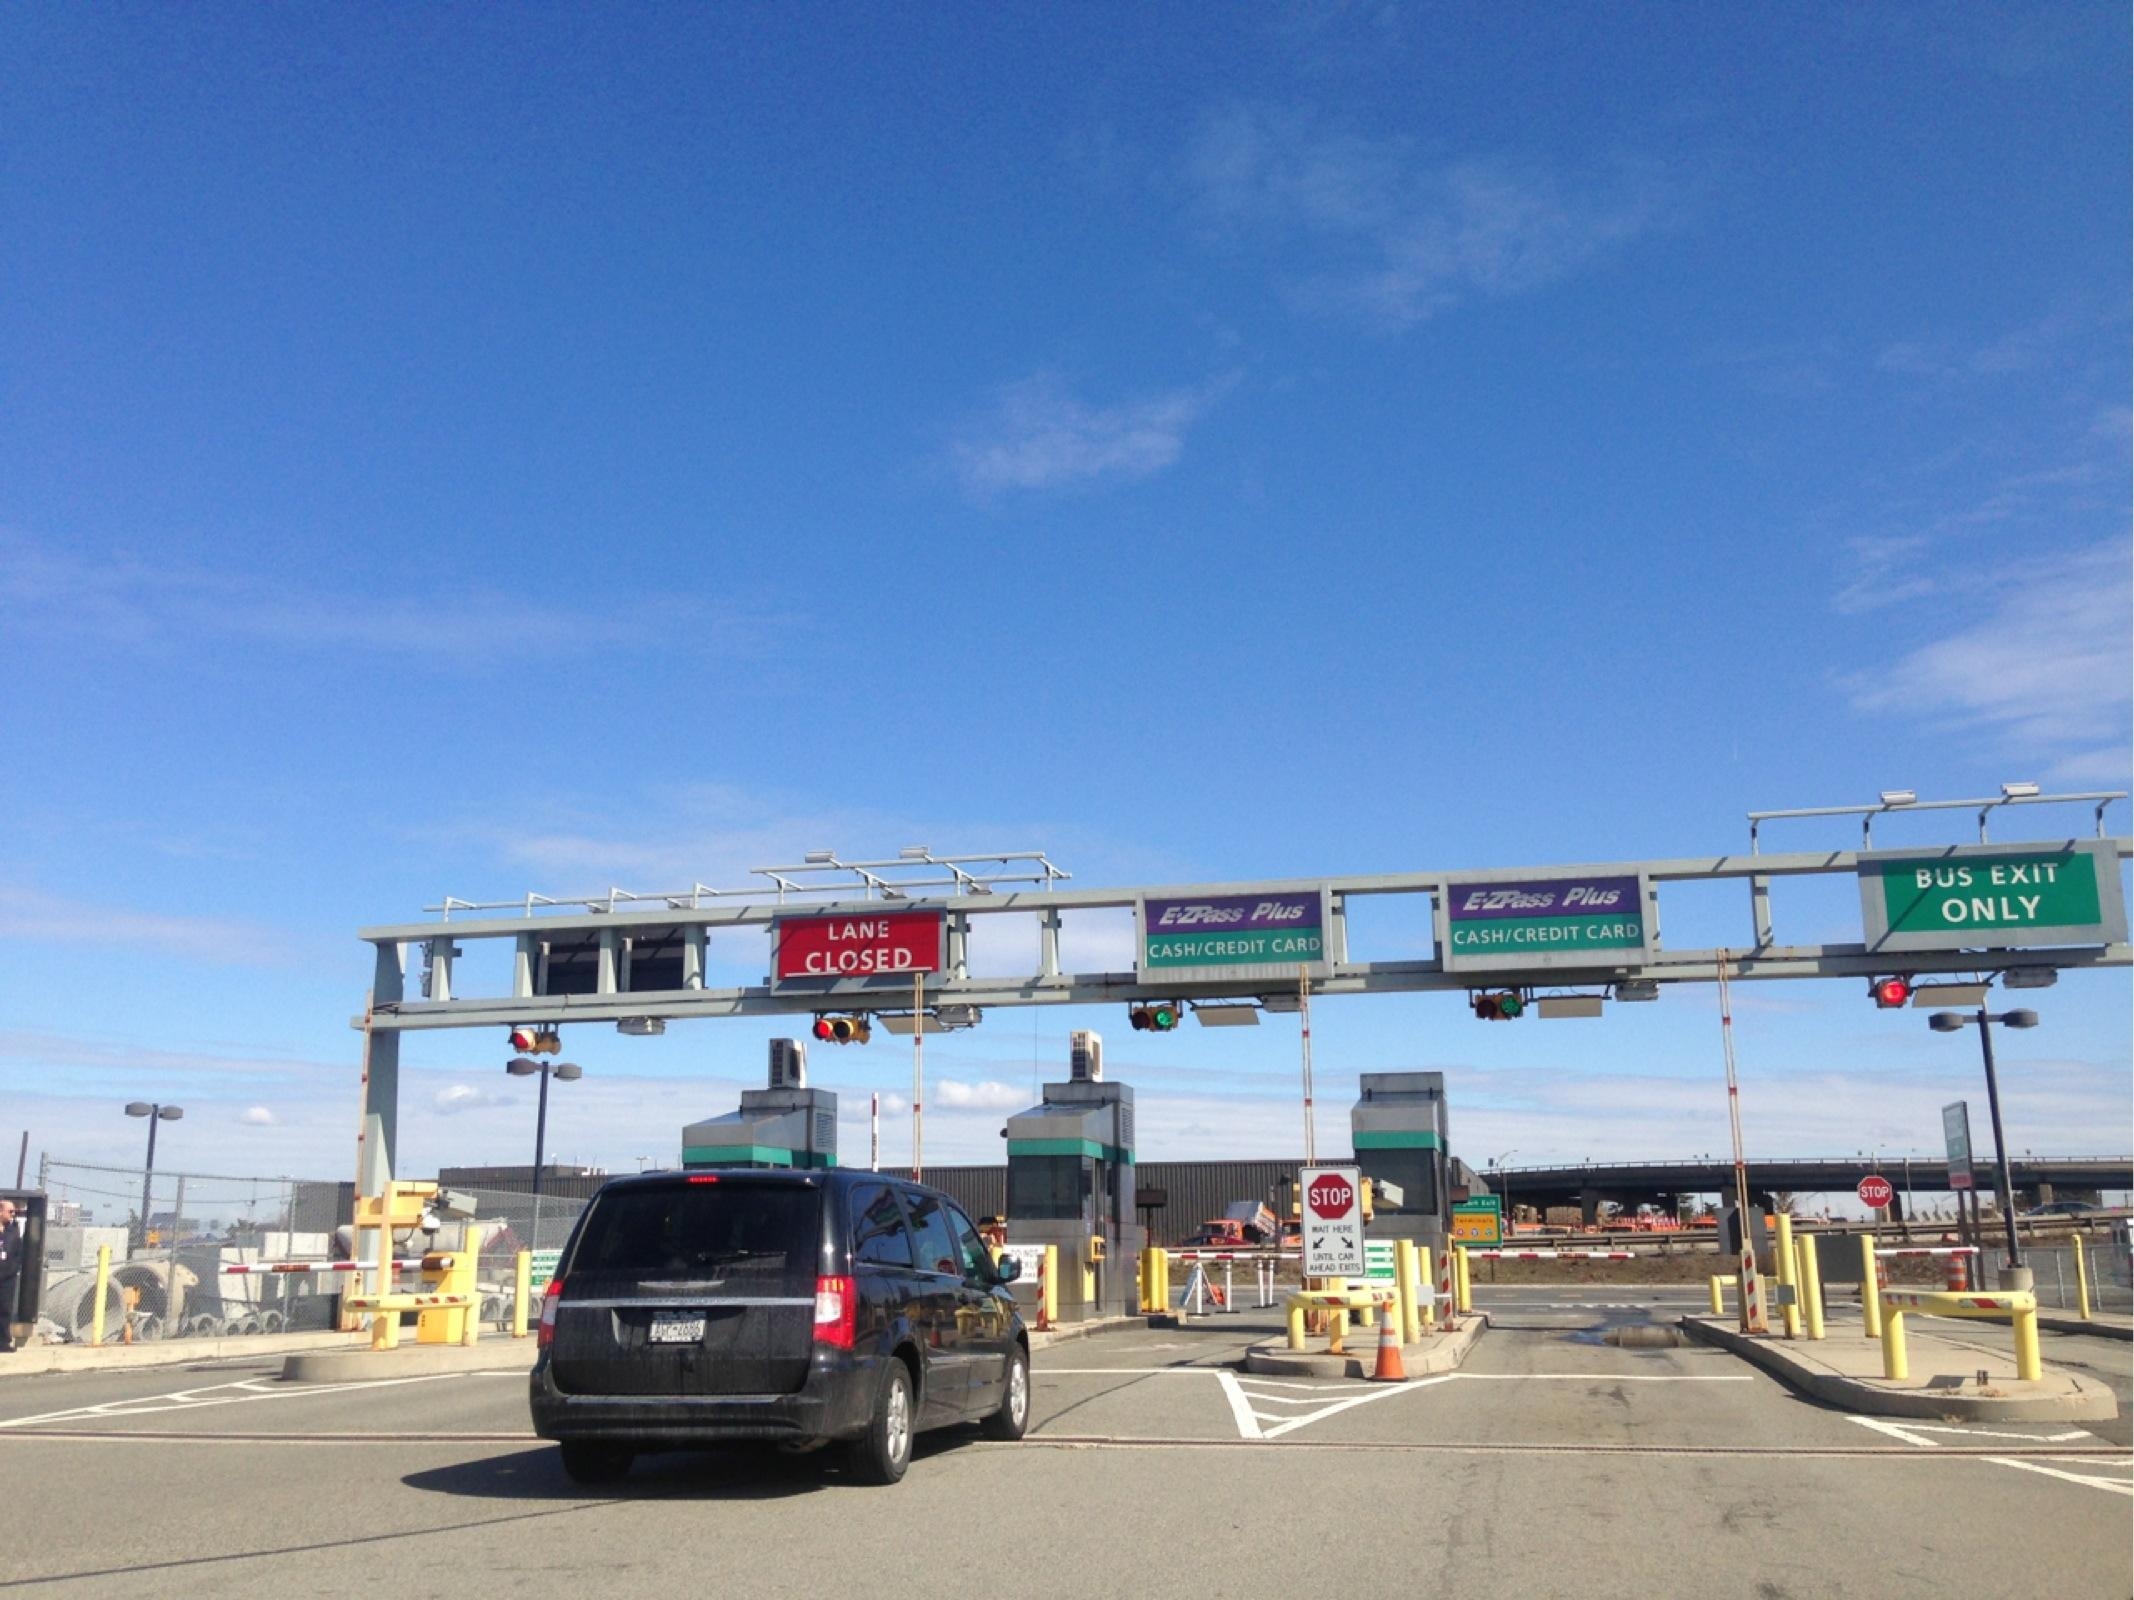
{"x": 2111, "y": 1272}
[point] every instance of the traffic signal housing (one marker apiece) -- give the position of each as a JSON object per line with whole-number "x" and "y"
{"x": 1502, "y": 1005}
{"x": 1161, "y": 1017}
{"x": 843, "y": 1030}
{"x": 536, "y": 1041}
{"x": 1890, "y": 993}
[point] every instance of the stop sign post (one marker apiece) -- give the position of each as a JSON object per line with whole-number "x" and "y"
{"x": 1876, "y": 1191}
{"x": 1333, "y": 1222}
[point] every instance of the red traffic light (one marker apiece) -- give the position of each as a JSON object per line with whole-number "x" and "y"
{"x": 522, "y": 1039}
{"x": 1890, "y": 993}
{"x": 822, "y": 1028}
{"x": 843, "y": 1030}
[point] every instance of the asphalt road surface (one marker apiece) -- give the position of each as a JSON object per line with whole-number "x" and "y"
{"x": 1553, "y": 1463}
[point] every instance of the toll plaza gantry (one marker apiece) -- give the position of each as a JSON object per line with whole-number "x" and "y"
{"x": 890, "y": 940}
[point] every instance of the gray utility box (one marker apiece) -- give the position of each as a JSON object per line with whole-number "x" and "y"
{"x": 1071, "y": 1184}
{"x": 1400, "y": 1135}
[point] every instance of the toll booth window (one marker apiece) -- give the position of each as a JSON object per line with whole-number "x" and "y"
{"x": 1049, "y": 1188}
{"x": 880, "y": 1236}
{"x": 937, "y": 1243}
{"x": 1415, "y": 1172}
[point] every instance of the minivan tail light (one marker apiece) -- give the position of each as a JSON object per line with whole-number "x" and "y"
{"x": 835, "y": 1306}
{"x": 551, "y": 1297}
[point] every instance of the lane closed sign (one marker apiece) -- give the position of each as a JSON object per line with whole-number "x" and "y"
{"x": 1333, "y": 1222}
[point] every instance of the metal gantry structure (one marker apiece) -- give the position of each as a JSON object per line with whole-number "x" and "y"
{"x": 640, "y": 960}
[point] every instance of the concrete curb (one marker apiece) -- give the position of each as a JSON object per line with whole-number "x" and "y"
{"x": 1439, "y": 1352}
{"x": 2068, "y": 1324}
{"x": 2060, "y": 1397}
{"x": 408, "y": 1361}
{"x": 1079, "y": 1330}
{"x": 36, "y": 1359}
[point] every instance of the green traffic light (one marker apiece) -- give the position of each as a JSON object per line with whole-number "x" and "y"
{"x": 1509, "y": 1005}
{"x": 1166, "y": 1018}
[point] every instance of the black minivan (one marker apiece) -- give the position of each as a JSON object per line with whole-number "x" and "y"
{"x": 701, "y": 1308}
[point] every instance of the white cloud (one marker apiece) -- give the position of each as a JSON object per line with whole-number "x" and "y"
{"x": 258, "y": 1117}
{"x": 36, "y": 914}
{"x": 2046, "y": 673}
{"x": 1038, "y": 436}
{"x": 954, "y": 1095}
{"x": 458, "y": 1097}
{"x": 1421, "y": 235}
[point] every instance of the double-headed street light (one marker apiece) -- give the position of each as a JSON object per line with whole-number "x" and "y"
{"x": 1956, "y": 1022}
{"x": 527, "y": 1067}
{"x": 154, "y": 1113}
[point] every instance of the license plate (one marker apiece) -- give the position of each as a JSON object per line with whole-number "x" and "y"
{"x": 677, "y": 1327}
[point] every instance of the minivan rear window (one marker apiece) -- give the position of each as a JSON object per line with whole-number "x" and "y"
{"x": 746, "y": 1237}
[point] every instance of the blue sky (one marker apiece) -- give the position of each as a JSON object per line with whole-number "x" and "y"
{"x": 471, "y": 450}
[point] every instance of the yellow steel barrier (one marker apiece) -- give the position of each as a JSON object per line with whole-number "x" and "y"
{"x": 2019, "y": 1305}
{"x": 2082, "y": 1278}
{"x": 1462, "y": 1285}
{"x": 1411, "y": 1316}
{"x": 522, "y": 1279}
{"x": 1362, "y": 1299}
{"x": 1811, "y": 1282}
{"x": 1870, "y": 1288}
{"x": 1723, "y": 1280}
{"x": 1787, "y": 1278}
{"x": 103, "y": 1287}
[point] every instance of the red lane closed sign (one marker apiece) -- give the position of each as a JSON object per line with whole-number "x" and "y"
{"x": 858, "y": 946}
{"x": 1876, "y": 1191}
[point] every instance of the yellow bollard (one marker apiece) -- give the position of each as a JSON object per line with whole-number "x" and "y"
{"x": 1462, "y": 1285}
{"x": 1870, "y": 1289}
{"x": 1787, "y": 1277}
{"x": 522, "y": 1271}
{"x": 1296, "y": 1326}
{"x": 1718, "y": 1304}
{"x": 2082, "y": 1279}
{"x": 1411, "y": 1317}
{"x": 1895, "y": 1363}
{"x": 2028, "y": 1365}
{"x": 1052, "y": 1286}
{"x": 1424, "y": 1277}
{"x": 103, "y": 1287}
{"x": 1339, "y": 1331}
{"x": 1811, "y": 1278}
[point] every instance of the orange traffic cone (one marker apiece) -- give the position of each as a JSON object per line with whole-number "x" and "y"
{"x": 1389, "y": 1369}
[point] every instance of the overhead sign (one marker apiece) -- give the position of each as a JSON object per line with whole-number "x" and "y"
{"x": 1228, "y": 936}
{"x": 1333, "y": 1222}
{"x": 1956, "y": 1132}
{"x": 1478, "y": 1222}
{"x": 1491, "y": 924}
{"x": 1974, "y": 896}
{"x": 859, "y": 945}
{"x": 1876, "y": 1191}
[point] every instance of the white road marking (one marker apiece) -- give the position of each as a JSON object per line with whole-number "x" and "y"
{"x": 214, "y": 1394}
{"x": 1604, "y": 1377}
{"x": 1895, "y": 1432}
{"x": 1248, "y": 1422}
{"x": 1292, "y": 1424}
{"x": 2111, "y": 1484}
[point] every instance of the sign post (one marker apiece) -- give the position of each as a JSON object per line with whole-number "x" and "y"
{"x": 1956, "y": 1135}
{"x": 1333, "y": 1222}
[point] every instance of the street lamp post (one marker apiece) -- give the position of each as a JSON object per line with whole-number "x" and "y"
{"x": 154, "y": 1113}
{"x": 1504, "y": 1188}
{"x": 1956, "y": 1021}
{"x": 528, "y": 1067}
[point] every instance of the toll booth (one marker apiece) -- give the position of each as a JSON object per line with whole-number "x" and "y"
{"x": 785, "y": 1125}
{"x": 1401, "y": 1141}
{"x": 1071, "y": 1184}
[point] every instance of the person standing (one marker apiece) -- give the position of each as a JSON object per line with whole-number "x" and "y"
{"x": 10, "y": 1273}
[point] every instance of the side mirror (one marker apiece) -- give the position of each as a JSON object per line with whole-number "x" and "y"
{"x": 1007, "y": 1269}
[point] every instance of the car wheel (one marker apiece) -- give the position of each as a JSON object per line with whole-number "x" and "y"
{"x": 595, "y": 1463}
{"x": 1013, "y": 1417}
{"x": 881, "y": 1454}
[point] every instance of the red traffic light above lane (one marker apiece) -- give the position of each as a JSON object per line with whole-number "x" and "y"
{"x": 1890, "y": 993}
{"x": 843, "y": 1030}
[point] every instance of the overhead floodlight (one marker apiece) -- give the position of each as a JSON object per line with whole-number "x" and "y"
{"x": 1638, "y": 989}
{"x": 957, "y": 1014}
{"x": 1276, "y": 1004}
{"x": 1948, "y": 994}
{"x": 641, "y": 1027}
{"x": 1228, "y": 1016}
{"x": 567, "y": 1070}
{"x": 820, "y": 858}
{"x": 522, "y": 1066}
{"x": 942, "y": 1019}
{"x": 1947, "y": 1022}
{"x": 2030, "y": 978}
{"x": 2019, "y": 791}
{"x": 1568, "y": 1005}
{"x": 140, "y": 1108}
{"x": 173, "y": 1113}
{"x": 1900, "y": 797}
{"x": 915, "y": 852}
{"x": 2020, "y": 1019}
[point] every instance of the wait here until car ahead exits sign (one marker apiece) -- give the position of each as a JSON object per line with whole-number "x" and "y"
{"x": 859, "y": 946}
{"x": 1333, "y": 1222}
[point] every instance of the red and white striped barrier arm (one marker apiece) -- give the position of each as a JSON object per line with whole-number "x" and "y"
{"x": 261, "y": 1268}
{"x": 1936, "y": 1250}
{"x": 1552, "y": 1255}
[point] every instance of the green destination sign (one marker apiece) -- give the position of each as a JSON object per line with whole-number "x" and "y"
{"x": 1980, "y": 896}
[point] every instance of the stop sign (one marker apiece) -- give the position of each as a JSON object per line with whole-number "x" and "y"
{"x": 1330, "y": 1195}
{"x": 1876, "y": 1190}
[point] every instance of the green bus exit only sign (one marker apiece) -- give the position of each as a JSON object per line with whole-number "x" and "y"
{"x": 1971, "y": 897}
